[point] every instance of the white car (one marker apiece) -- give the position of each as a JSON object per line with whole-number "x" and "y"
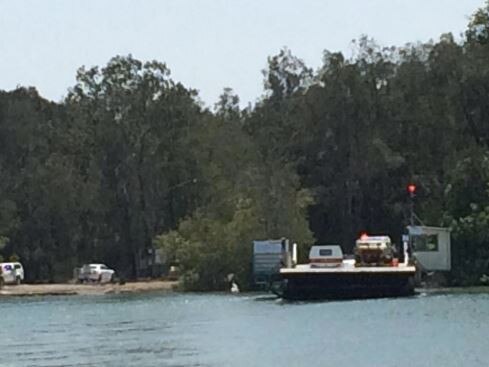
{"x": 96, "y": 273}
{"x": 11, "y": 273}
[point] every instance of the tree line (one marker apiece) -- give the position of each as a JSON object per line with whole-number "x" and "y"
{"x": 131, "y": 160}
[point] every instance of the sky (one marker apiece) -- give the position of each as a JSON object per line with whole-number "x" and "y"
{"x": 207, "y": 44}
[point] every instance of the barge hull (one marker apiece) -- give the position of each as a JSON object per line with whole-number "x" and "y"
{"x": 346, "y": 285}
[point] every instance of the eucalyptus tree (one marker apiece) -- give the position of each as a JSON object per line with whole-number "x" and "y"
{"x": 41, "y": 188}
{"x": 244, "y": 198}
{"x": 135, "y": 121}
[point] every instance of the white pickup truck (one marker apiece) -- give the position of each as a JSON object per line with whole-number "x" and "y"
{"x": 96, "y": 273}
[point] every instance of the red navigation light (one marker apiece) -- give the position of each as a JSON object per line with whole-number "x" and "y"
{"x": 364, "y": 236}
{"x": 411, "y": 188}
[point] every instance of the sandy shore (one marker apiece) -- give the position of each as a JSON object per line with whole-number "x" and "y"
{"x": 86, "y": 289}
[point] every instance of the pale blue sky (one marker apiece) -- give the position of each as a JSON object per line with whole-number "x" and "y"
{"x": 207, "y": 44}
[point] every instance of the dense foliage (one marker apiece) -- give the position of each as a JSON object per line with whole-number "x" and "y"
{"x": 131, "y": 160}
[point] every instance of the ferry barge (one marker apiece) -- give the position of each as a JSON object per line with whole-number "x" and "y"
{"x": 374, "y": 272}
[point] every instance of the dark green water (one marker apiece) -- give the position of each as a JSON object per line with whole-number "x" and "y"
{"x": 225, "y": 330}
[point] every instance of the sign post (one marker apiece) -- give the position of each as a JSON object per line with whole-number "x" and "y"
{"x": 412, "y": 193}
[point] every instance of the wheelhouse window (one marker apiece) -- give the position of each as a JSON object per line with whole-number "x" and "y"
{"x": 425, "y": 242}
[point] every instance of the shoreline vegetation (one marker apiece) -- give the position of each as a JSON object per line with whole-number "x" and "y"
{"x": 67, "y": 289}
{"x": 132, "y": 164}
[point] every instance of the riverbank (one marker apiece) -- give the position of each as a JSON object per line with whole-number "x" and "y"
{"x": 87, "y": 289}
{"x": 157, "y": 286}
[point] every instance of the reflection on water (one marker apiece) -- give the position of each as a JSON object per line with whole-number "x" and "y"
{"x": 245, "y": 330}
